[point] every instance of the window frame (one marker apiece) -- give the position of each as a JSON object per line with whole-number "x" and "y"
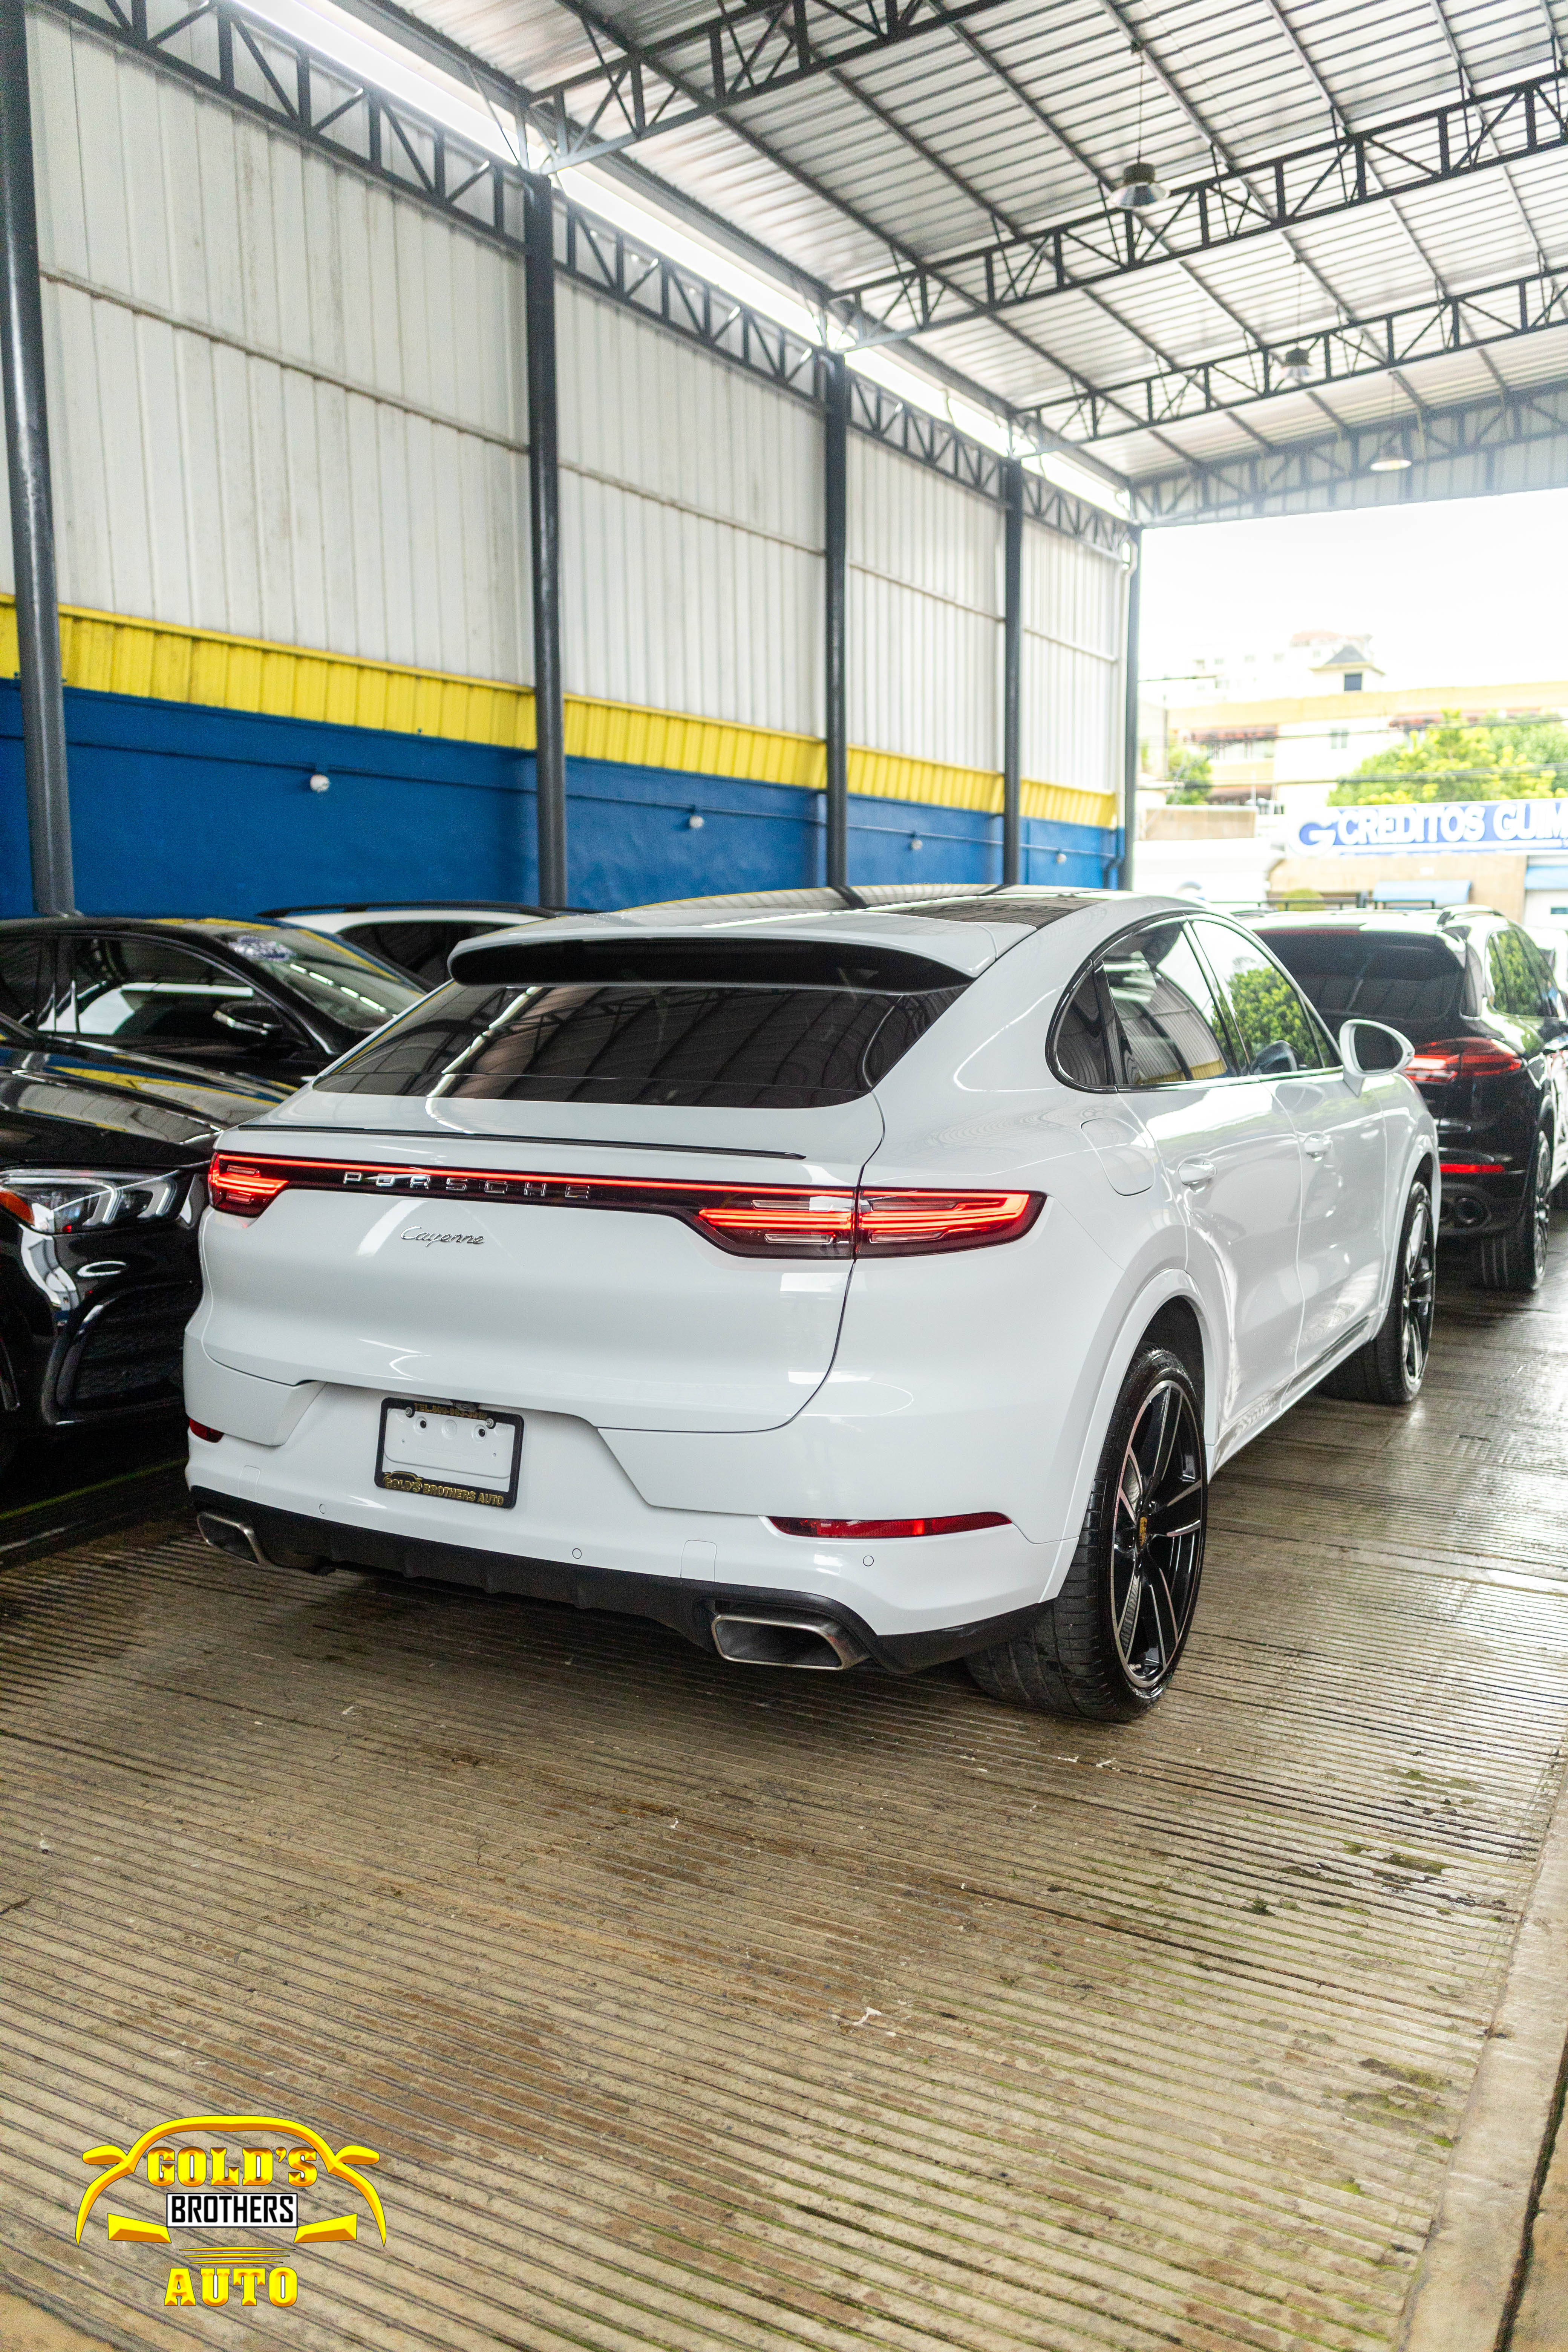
{"x": 1093, "y": 965}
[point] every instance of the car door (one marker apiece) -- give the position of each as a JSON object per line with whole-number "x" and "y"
{"x": 1342, "y": 1251}
{"x": 149, "y": 994}
{"x": 1231, "y": 1149}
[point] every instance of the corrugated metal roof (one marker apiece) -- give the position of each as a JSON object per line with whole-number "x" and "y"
{"x": 1017, "y": 116}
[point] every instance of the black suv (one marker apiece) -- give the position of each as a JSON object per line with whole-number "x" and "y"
{"x": 1478, "y": 1002}
{"x": 256, "y": 1001}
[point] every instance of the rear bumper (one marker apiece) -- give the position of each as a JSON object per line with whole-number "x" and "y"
{"x": 579, "y": 1519}
{"x": 688, "y": 1609}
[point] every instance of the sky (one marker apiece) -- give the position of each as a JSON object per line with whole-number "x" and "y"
{"x": 1470, "y": 592}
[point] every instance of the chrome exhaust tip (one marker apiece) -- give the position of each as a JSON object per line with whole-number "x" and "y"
{"x": 237, "y": 1537}
{"x": 815, "y": 1645}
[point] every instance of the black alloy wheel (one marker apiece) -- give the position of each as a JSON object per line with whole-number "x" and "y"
{"x": 1156, "y": 1542}
{"x": 1109, "y": 1643}
{"x": 1389, "y": 1368}
{"x": 1516, "y": 1260}
{"x": 1417, "y": 1292}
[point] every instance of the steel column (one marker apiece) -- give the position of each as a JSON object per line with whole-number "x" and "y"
{"x": 1012, "y": 671}
{"x": 544, "y": 529}
{"x": 27, "y": 463}
{"x": 1129, "y": 718}
{"x": 836, "y": 540}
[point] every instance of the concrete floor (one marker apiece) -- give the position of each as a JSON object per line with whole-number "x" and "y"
{"x": 700, "y": 2007}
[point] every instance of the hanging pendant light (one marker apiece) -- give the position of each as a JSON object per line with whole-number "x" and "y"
{"x": 1391, "y": 458}
{"x": 1140, "y": 190}
{"x": 1296, "y": 367}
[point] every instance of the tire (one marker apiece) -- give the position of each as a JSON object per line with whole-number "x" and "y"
{"x": 1390, "y": 1368}
{"x": 1516, "y": 1260}
{"x": 1109, "y": 1643}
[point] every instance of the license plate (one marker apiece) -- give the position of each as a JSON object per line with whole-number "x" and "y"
{"x": 457, "y": 1453}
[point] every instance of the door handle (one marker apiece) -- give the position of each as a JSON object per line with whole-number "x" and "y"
{"x": 1316, "y": 1147}
{"x": 1196, "y": 1172}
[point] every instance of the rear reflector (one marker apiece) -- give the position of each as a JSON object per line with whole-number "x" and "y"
{"x": 1460, "y": 1057}
{"x": 200, "y": 1429}
{"x": 1474, "y": 1168}
{"x": 751, "y": 1220}
{"x": 957, "y": 1523}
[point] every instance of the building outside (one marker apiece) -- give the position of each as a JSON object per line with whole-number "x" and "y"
{"x": 1275, "y": 758}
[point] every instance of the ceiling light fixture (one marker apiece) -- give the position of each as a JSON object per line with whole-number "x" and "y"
{"x": 1297, "y": 365}
{"x": 1141, "y": 189}
{"x": 1391, "y": 458}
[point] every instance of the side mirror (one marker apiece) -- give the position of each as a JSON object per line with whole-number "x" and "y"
{"x": 1368, "y": 1049}
{"x": 258, "y": 1022}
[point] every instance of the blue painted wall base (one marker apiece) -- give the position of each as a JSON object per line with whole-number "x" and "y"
{"x": 181, "y": 810}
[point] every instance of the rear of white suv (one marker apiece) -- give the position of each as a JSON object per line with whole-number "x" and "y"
{"x": 534, "y": 1292}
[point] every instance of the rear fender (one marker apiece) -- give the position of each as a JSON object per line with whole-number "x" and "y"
{"x": 1170, "y": 1284}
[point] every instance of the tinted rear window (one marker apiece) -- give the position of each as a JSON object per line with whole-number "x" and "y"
{"x": 687, "y": 1044}
{"x": 1397, "y": 977}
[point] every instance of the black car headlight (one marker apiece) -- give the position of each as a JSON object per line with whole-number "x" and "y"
{"x": 74, "y": 1200}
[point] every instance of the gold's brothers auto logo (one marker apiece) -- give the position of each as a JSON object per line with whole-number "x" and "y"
{"x": 192, "y": 2182}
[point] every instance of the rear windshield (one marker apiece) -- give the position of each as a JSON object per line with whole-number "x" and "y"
{"x": 1390, "y": 976}
{"x": 789, "y": 1042}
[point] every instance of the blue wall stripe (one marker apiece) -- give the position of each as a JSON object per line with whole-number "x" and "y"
{"x": 178, "y": 809}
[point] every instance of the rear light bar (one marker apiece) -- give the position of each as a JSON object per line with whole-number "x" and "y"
{"x": 1474, "y": 1168}
{"x": 957, "y": 1523}
{"x": 750, "y": 1220}
{"x": 1460, "y": 1057}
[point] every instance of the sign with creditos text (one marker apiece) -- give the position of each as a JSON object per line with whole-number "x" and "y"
{"x": 1441, "y": 824}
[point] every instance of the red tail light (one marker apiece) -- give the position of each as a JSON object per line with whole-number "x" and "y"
{"x": 244, "y": 1187}
{"x": 751, "y": 1220}
{"x": 1473, "y": 1168}
{"x": 200, "y": 1429}
{"x": 957, "y": 1523}
{"x": 1460, "y": 1057}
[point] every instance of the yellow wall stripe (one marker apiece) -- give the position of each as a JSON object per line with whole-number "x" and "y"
{"x": 167, "y": 662}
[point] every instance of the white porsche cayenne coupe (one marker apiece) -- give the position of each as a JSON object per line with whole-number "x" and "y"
{"x": 877, "y": 1281}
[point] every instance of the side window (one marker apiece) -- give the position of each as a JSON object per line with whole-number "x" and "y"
{"x": 1170, "y": 1026}
{"x": 1080, "y": 1052}
{"x": 137, "y": 990}
{"x": 26, "y": 964}
{"x": 1514, "y": 989}
{"x": 1276, "y": 1028}
{"x": 1537, "y": 982}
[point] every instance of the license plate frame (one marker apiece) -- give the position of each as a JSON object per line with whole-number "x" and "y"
{"x": 417, "y": 1481}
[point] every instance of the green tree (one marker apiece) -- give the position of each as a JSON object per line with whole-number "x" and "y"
{"x": 1518, "y": 760}
{"x": 1268, "y": 1012}
{"x": 1193, "y": 771}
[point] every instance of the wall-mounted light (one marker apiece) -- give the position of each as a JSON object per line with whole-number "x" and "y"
{"x": 694, "y": 822}
{"x": 915, "y": 841}
{"x": 1061, "y": 857}
{"x": 320, "y": 783}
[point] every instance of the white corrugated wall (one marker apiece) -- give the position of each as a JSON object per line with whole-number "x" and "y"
{"x": 925, "y": 605}
{"x": 284, "y": 402}
{"x": 691, "y": 522}
{"x": 1072, "y": 719}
